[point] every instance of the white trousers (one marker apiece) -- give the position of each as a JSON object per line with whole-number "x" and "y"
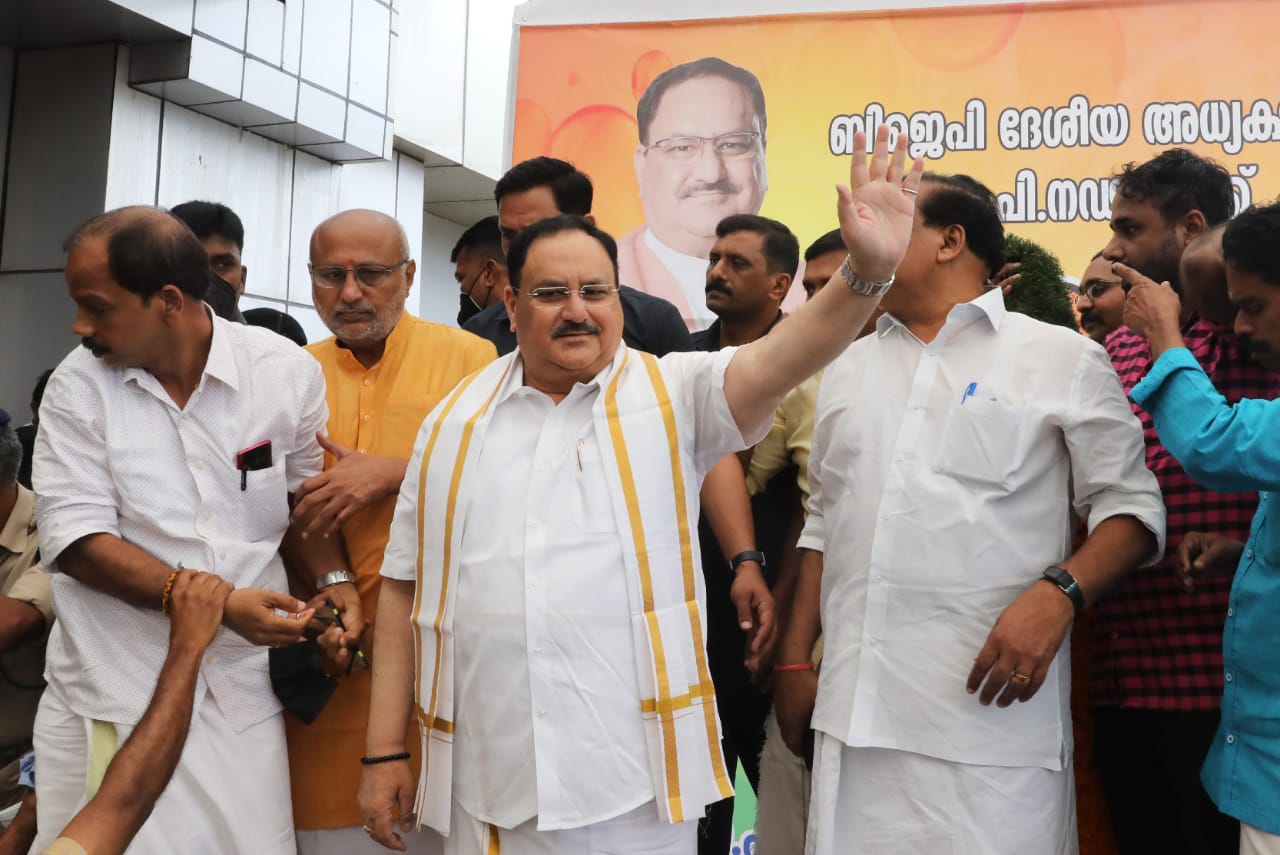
{"x": 229, "y": 794}
{"x": 888, "y": 802}
{"x": 1255, "y": 841}
{"x": 637, "y": 832}
{"x": 783, "y": 801}
{"x": 354, "y": 841}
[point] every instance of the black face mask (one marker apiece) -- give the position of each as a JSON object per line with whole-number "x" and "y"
{"x": 467, "y": 308}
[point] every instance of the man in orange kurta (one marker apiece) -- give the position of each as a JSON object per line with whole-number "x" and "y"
{"x": 384, "y": 371}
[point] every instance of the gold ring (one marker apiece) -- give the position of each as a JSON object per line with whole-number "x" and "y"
{"x": 910, "y": 190}
{"x": 366, "y": 829}
{"x": 1020, "y": 678}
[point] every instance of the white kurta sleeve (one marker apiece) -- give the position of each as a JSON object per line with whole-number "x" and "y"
{"x": 1109, "y": 474}
{"x": 306, "y": 458}
{"x": 75, "y": 493}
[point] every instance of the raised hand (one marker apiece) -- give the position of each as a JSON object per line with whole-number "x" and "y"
{"x": 876, "y": 210}
{"x": 1151, "y": 310}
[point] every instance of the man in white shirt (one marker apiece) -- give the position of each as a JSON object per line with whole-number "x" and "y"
{"x": 950, "y": 449}
{"x": 559, "y": 659}
{"x": 171, "y": 439}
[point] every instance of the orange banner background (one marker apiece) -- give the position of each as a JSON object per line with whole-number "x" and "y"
{"x": 577, "y": 89}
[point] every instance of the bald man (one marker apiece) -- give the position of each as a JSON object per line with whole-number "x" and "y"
{"x": 136, "y": 476}
{"x": 384, "y": 370}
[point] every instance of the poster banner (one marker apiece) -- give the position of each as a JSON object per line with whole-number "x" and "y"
{"x": 1042, "y": 102}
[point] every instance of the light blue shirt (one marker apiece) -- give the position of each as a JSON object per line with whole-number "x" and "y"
{"x": 1234, "y": 449}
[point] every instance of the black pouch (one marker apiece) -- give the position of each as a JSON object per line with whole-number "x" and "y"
{"x": 299, "y": 680}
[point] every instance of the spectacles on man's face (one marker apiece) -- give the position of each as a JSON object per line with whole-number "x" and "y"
{"x": 730, "y": 146}
{"x": 1097, "y": 287}
{"x": 555, "y": 296}
{"x": 368, "y": 275}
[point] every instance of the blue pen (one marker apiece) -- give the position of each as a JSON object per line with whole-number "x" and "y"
{"x": 969, "y": 390}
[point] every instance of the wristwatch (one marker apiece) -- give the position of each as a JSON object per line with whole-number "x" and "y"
{"x": 1066, "y": 583}
{"x": 335, "y": 577}
{"x": 861, "y": 286}
{"x": 747, "y": 555}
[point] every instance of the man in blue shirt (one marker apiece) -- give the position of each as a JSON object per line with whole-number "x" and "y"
{"x": 1230, "y": 448}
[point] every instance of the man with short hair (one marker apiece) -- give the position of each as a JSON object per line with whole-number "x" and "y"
{"x": 750, "y": 270}
{"x": 701, "y": 158}
{"x": 562, "y": 682}
{"x": 26, "y": 614}
{"x": 221, "y": 233}
{"x": 1101, "y": 300}
{"x": 171, "y": 439}
{"x": 1232, "y": 448}
{"x": 944, "y": 473}
{"x": 479, "y": 268}
{"x": 545, "y": 187}
{"x": 384, "y": 371}
{"x": 1156, "y": 675}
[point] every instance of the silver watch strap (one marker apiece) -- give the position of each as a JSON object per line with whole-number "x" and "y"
{"x": 335, "y": 577}
{"x": 861, "y": 286}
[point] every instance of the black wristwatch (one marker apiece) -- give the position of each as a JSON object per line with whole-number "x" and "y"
{"x": 748, "y": 555}
{"x": 1066, "y": 583}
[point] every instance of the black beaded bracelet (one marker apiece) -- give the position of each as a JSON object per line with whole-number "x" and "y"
{"x": 385, "y": 758}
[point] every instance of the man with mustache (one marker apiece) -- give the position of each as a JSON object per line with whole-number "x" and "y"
{"x": 1156, "y": 676}
{"x": 384, "y": 371}
{"x": 177, "y": 443}
{"x": 562, "y": 685}
{"x": 751, "y": 267}
{"x": 1229, "y": 447}
{"x": 701, "y": 158}
{"x": 1101, "y": 300}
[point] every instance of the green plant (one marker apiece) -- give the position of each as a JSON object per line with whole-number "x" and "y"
{"x": 1039, "y": 291}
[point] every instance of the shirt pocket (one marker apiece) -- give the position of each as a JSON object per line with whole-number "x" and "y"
{"x": 981, "y": 441}
{"x": 263, "y": 504}
{"x": 593, "y": 503}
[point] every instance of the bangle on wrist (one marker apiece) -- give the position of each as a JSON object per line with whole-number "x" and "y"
{"x": 746, "y": 555}
{"x": 384, "y": 758}
{"x": 797, "y": 666}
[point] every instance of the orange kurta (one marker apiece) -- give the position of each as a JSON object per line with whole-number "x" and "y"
{"x": 376, "y": 411}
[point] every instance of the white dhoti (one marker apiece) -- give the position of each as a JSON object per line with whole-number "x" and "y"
{"x": 636, "y": 832}
{"x": 1255, "y": 841}
{"x": 229, "y": 794}
{"x": 356, "y": 841}
{"x": 782, "y": 803}
{"x": 898, "y": 803}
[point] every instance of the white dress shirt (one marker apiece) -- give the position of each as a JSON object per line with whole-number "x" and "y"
{"x": 943, "y": 480}
{"x": 116, "y": 455}
{"x": 548, "y": 717}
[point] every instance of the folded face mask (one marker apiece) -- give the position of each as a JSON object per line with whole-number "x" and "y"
{"x": 299, "y": 680}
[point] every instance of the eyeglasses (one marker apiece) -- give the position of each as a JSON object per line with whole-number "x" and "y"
{"x": 368, "y": 275}
{"x": 1097, "y": 287}
{"x": 731, "y": 146}
{"x": 555, "y": 296}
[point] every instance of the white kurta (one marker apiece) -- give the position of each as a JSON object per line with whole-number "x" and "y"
{"x": 944, "y": 477}
{"x": 115, "y": 455}
{"x": 575, "y": 614}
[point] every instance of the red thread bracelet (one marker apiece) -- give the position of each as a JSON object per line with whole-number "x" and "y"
{"x": 799, "y": 666}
